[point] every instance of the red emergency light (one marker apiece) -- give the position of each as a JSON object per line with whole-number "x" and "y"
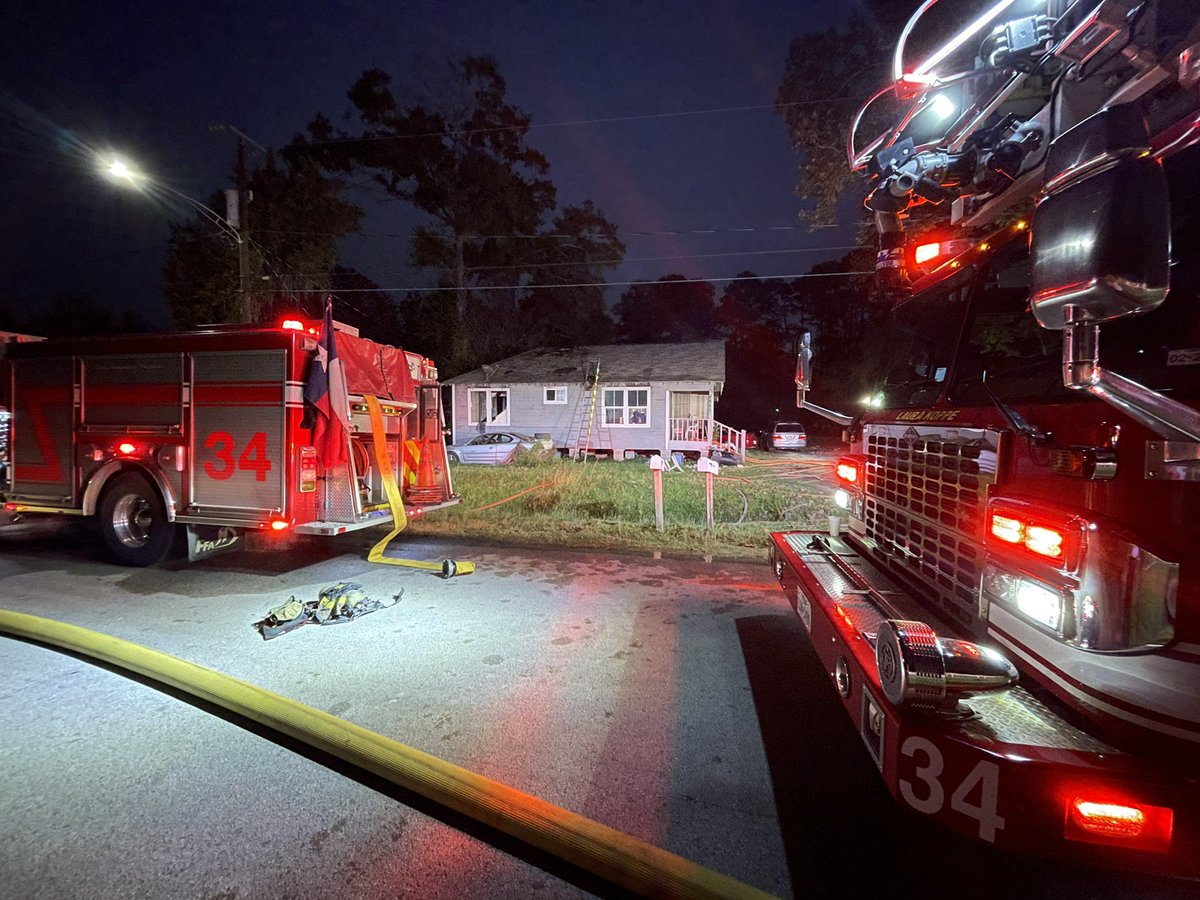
{"x": 925, "y": 252}
{"x": 292, "y": 325}
{"x": 1138, "y": 826}
{"x": 279, "y": 525}
{"x": 930, "y": 254}
{"x": 1042, "y": 535}
{"x": 127, "y": 448}
{"x": 848, "y": 470}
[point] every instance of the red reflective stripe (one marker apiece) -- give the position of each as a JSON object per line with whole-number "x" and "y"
{"x": 1115, "y": 702}
{"x": 34, "y": 401}
{"x": 132, "y": 395}
{"x": 238, "y": 393}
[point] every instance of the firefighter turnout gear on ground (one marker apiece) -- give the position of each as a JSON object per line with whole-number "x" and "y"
{"x": 341, "y": 602}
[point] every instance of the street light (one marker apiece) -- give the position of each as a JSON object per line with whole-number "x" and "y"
{"x": 125, "y": 174}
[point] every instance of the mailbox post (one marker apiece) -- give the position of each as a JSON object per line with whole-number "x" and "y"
{"x": 709, "y": 467}
{"x": 656, "y": 466}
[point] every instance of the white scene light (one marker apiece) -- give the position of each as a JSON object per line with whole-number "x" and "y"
{"x": 942, "y": 106}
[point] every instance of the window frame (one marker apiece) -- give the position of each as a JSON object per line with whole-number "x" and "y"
{"x": 547, "y": 388}
{"x": 488, "y": 393}
{"x": 625, "y": 407}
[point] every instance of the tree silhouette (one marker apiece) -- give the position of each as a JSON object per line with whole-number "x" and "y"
{"x": 460, "y": 156}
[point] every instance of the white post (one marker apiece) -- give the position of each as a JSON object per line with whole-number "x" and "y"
{"x": 709, "y": 467}
{"x": 656, "y": 466}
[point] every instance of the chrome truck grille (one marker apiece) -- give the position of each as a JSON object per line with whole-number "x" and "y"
{"x": 925, "y": 496}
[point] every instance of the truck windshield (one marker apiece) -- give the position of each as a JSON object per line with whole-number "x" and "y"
{"x": 1023, "y": 361}
{"x": 924, "y": 334}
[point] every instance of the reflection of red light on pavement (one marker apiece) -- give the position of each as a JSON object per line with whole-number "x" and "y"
{"x": 732, "y": 585}
{"x": 623, "y": 772}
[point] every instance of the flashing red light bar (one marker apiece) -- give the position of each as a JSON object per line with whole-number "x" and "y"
{"x": 1137, "y": 826}
{"x": 10, "y": 507}
{"x": 292, "y": 325}
{"x": 847, "y": 470}
{"x": 127, "y": 448}
{"x": 925, "y": 252}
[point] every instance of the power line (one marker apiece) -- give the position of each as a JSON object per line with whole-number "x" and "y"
{"x": 565, "y": 237}
{"x": 544, "y": 287}
{"x": 622, "y": 260}
{"x": 458, "y": 132}
{"x": 663, "y": 259}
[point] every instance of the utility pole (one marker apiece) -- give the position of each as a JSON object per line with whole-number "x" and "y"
{"x": 460, "y": 279}
{"x": 248, "y": 304}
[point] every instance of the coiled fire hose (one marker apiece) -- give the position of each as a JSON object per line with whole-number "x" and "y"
{"x": 618, "y": 858}
{"x": 448, "y": 567}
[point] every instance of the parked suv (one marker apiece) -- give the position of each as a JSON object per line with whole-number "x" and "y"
{"x": 786, "y": 436}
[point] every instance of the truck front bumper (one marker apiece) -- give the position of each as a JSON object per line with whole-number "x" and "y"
{"x": 1007, "y": 770}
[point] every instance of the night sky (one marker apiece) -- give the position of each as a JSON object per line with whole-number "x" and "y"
{"x": 149, "y": 79}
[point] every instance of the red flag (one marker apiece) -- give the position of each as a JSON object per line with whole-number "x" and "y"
{"x": 326, "y": 391}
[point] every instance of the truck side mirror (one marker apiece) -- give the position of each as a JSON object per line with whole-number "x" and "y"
{"x": 804, "y": 381}
{"x": 1102, "y": 236}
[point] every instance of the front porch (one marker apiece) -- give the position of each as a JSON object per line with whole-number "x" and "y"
{"x": 690, "y": 434}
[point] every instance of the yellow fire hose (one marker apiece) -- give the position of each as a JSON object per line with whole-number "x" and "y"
{"x": 448, "y": 567}
{"x": 618, "y": 858}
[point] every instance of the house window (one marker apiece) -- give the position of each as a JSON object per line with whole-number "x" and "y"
{"x": 488, "y": 407}
{"x": 626, "y": 406}
{"x": 554, "y": 393}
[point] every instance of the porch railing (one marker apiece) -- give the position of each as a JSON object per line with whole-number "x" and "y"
{"x": 713, "y": 433}
{"x": 689, "y": 429}
{"x": 733, "y": 440}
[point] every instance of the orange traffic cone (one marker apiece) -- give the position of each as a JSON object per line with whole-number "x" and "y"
{"x": 427, "y": 487}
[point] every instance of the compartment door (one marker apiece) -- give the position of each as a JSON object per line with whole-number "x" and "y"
{"x": 43, "y": 426}
{"x": 237, "y": 436}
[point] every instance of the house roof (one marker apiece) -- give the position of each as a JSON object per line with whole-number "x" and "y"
{"x": 701, "y": 361}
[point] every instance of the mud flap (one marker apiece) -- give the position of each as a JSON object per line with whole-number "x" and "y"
{"x": 208, "y": 540}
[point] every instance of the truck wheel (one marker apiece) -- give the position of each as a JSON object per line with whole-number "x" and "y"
{"x": 134, "y": 522}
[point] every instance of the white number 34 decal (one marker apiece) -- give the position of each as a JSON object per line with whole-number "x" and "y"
{"x": 930, "y": 796}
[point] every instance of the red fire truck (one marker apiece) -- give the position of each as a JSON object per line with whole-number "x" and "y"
{"x": 1011, "y": 612}
{"x": 207, "y": 429}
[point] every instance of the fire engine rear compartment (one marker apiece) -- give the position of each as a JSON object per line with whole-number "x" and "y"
{"x": 215, "y": 422}
{"x": 1008, "y": 771}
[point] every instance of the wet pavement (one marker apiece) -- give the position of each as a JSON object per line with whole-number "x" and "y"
{"x": 675, "y": 700}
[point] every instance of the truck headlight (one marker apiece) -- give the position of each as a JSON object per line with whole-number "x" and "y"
{"x": 1040, "y": 603}
{"x": 1035, "y": 601}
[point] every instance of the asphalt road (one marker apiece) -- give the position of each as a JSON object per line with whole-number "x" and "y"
{"x": 675, "y": 700}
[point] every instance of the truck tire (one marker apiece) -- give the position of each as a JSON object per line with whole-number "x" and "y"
{"x": 133, "y": 521}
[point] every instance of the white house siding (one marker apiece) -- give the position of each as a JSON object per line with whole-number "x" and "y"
{"x": 527, "y": 413}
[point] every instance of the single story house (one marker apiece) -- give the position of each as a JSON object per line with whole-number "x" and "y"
{"x": 613, "y": 399}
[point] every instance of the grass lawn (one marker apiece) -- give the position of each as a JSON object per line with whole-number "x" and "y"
{"x": 610, "y": 505}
